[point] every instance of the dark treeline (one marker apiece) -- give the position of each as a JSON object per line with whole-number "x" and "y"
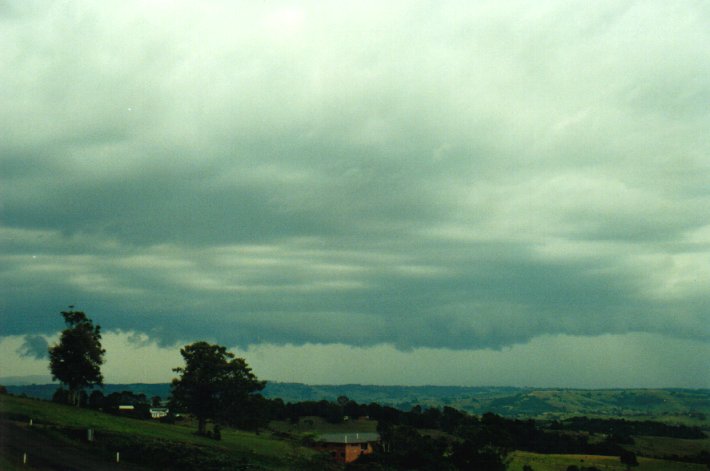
{"x": 451, "y": 439}
{"x": 629, "y": 427}
{"x": 110, "y": 403}
{"x": 448, "y": 438}
{"x": 512, "y": 433}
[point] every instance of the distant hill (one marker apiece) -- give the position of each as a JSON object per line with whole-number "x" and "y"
{"x": 45, "y": 391}
{"x": 690, "y": 406}
{"x": 23, "y": 380}
{"x": 403, "y": 397}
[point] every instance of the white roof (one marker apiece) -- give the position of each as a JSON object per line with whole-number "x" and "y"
{"x": 356, "y": 437}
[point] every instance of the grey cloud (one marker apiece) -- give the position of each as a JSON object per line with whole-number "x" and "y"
{"x": 485, "y": 296}
{"x": 465, "y": 178}
{"x": 34, "y": 346}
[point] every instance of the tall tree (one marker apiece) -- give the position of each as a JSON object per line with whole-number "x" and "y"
{"x": 213, "y": 384}
{"x": 628, "y": 458}
{"x": 76, "y": 360}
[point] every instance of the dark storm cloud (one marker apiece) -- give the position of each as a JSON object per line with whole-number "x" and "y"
{"x": 266, "y": 174}
{"x": 228, "y": 200}
{"x": 34, "y": 346}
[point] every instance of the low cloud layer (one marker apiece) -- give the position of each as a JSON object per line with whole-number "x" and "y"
{"x": 629, "y": 360}
{"x": 452, "y": 176}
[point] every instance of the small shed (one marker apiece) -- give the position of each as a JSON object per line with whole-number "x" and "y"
{"x": 158, "y": 412}
{"x": 347, "y": 447}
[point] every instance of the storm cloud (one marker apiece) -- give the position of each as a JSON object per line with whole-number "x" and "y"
{"x": 458, "y": 176}
{"x": 34, "y": 346}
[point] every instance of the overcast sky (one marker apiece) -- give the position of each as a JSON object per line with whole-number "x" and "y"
{"x": 489, "y": 192}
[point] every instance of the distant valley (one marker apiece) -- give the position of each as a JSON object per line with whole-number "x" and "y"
{"x": 689, "y": 406}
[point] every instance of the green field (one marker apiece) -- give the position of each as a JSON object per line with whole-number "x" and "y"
{"x": 540, "y": 462}
{"x": 666, "y": 446}
{"x": 57, "y": 421}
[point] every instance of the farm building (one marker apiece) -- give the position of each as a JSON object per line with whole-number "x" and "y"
{"x": 158, "y": 412}
{"x": 346, "y": 447}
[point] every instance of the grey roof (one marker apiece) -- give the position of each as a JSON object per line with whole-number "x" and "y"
{"x": 357, "y": 437}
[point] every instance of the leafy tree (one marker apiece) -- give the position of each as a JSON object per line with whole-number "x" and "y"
{"x": 343, "y": 400}
{"x": 628, "y": 458}
{"x": 468, "y": 455}
{"x": 76, "y": 360}
{"x": 403, "y": 447}
{"x": 141, "y": 408}
{"x": 96, "y": 399}
{"x": 213, "y": 384}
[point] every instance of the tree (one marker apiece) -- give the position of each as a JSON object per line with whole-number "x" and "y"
{"x": 96, "y": 399}
{"x": 76, "y": 360}
{"x": 213, "y": 384}
{"x": 628, "y": 458}
{"x": 343, "y": 400}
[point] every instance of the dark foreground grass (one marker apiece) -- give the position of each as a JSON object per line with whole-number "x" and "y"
{"x": 155, "y": 444}
{"x": 9, "y": 464}
{"x": 549, "y": 462}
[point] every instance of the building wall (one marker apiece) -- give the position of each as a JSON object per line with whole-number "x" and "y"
{"x": 354, "y": 450}
{"x": 345, "y": 452}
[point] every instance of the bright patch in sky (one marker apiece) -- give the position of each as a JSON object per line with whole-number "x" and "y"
{"x": 285, "y": 21}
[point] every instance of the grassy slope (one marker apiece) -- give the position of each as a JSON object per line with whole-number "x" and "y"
{"x": 664, "y": 405}
{"x": 666, "y": 446}
{"x": 541, "y": 462}
{"x": 264, "y": 449}
{"x": 8, "y": 465}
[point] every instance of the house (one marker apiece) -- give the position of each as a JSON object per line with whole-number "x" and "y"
{"x": 346, "y": 447}
{"x": 158, "y": 412}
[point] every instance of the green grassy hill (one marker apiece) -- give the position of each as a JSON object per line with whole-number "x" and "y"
{"x": 540, "y": 462}
{"x": 140, "y": 442}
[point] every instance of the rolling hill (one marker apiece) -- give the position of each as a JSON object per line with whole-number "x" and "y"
{"x": 687, "y": 406}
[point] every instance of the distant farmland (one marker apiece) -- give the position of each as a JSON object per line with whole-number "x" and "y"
{"x": 687, "y": 406}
